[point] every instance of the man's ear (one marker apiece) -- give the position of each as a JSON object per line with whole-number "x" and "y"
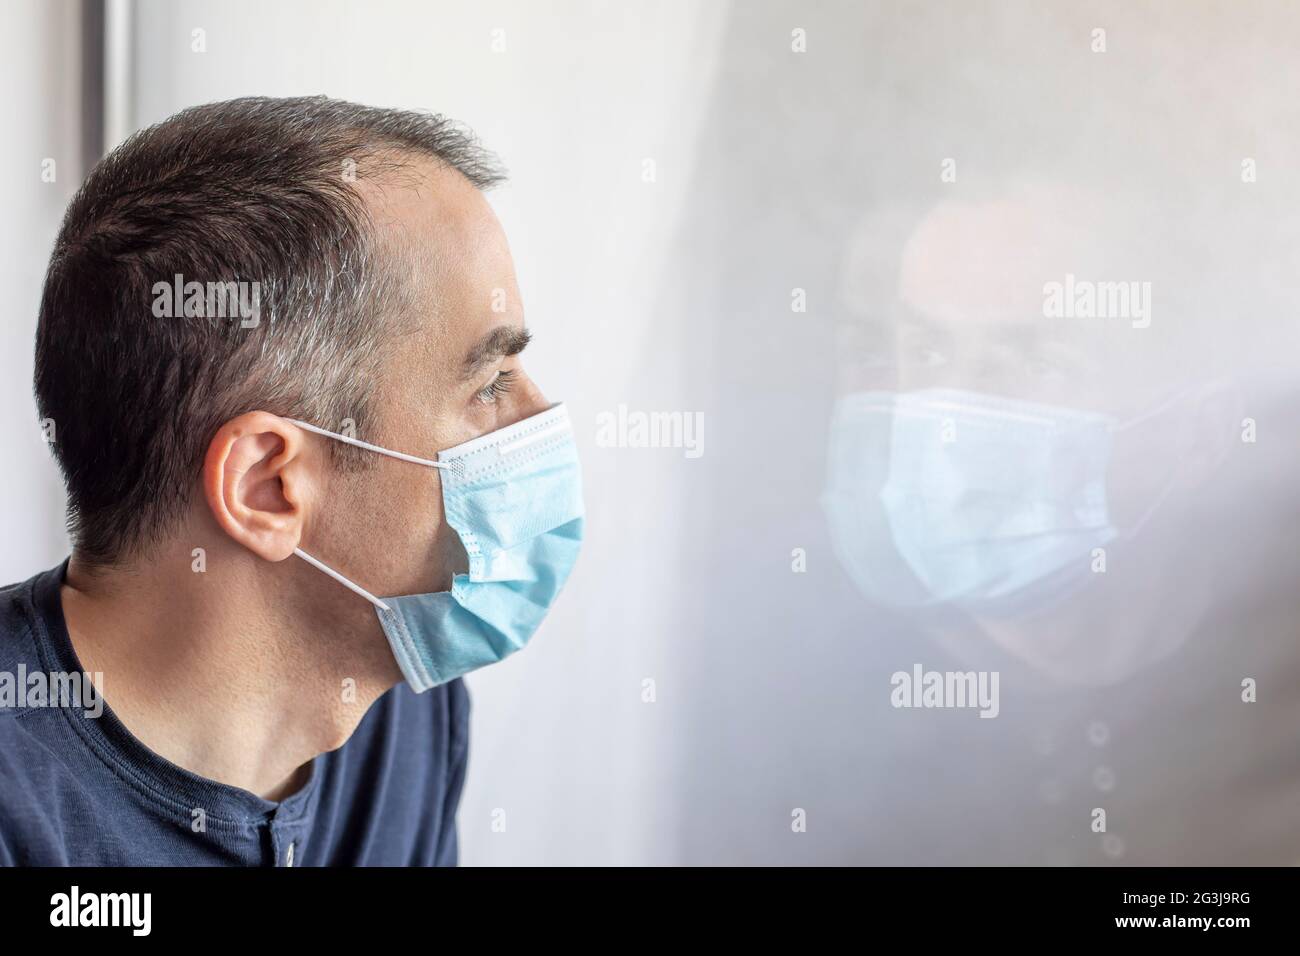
{"x": 257, "y": 482}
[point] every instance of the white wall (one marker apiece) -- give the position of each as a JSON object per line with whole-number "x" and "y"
{"x": 41, "y": 119}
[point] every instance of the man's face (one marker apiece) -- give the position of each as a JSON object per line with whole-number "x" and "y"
{"x": 457, "y": 376}
{"x": 968, "y": 314}
{"x": 971, "y": 305}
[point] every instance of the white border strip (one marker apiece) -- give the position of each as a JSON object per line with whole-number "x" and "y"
{"x": 513, "y": 446}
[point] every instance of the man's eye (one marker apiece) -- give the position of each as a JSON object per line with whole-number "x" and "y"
{"x": 497, "y": 387}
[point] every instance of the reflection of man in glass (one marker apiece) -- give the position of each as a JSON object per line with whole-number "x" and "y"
{"x": 996, "y": 461}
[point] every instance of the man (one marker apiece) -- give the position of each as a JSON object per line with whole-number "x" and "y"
{"x": 1128, "y": 650}
{"x": 1008, "y": 445}
{"x": 279, "y": 364}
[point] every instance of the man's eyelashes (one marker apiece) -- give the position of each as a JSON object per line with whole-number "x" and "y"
{"x": 499, "y": 385}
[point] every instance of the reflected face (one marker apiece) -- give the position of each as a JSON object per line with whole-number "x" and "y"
{"x": 977, "y": 520}
{"x": 968, "y": 307}
{"x": 972, "y": 288}
{"x": 1009, "y": 354}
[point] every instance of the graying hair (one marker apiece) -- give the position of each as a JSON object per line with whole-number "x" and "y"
{"x": 252, "y": 190}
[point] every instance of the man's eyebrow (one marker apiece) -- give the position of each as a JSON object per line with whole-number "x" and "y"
{"x": 503, "y": 340}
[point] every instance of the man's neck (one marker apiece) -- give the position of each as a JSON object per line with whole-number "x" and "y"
{"x": 221, "y": 676}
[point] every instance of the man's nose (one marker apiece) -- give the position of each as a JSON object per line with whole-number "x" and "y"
{"x": 531, "y": 400}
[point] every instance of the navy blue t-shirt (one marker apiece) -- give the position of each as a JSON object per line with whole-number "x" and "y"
{"x": 81, "y": 790}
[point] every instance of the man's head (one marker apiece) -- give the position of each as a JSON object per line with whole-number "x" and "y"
{"x": 375, "y": 296}
{"x": 956, "y": 296}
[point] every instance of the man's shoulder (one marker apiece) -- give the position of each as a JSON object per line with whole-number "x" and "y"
{"x": 445, "y": 708}
{"x": 18, "y": 624}
{"x": 30, "y": 728}
{"x": 403, "y": 769}
{"x": 457, "y": 699}
{"x": 424, "y": 735}
{"x": 31, "y": 731}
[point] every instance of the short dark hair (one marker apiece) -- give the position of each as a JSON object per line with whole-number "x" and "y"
{"x": 254, "y": 191}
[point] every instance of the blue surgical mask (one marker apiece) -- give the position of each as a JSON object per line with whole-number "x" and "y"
{"x": 514, "y": 497}
{"x": 993, "y": 504}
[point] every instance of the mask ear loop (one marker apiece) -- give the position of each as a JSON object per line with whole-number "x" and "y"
{"x": 355, "y": 588}
{"x": 321, "y": 565}
{"x": 1178, "y": 395}
{"x": 427, "y": 462}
